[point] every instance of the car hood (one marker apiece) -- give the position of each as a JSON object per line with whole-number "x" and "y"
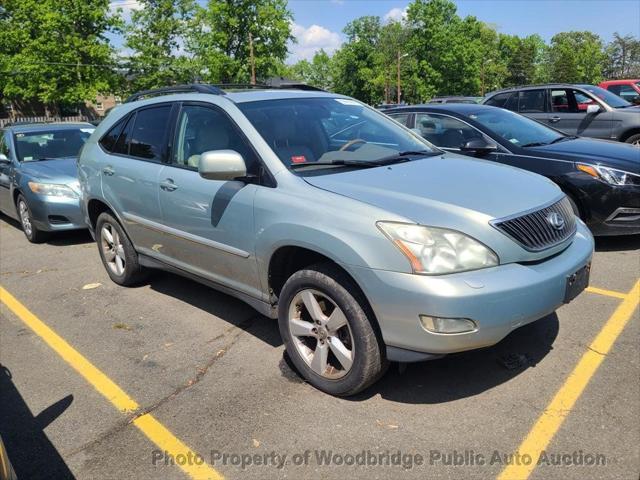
{"x": 444, "y": 190}
{"x": 60, "y": 170}
{"x": 613, "y": 154}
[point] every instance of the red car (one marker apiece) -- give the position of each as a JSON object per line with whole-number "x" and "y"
{"x": 627, "y": 89}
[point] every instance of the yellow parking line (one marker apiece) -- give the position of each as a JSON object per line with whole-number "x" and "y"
{"x": 608, "y": 293}
{"x": 554, "y": 415}
{"x": 146, "y": 423}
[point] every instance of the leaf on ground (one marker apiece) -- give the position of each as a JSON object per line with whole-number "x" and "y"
{"x": 91, "y": 286}
{"x": 256, "y": 443}
{"x": 121, "y": 326}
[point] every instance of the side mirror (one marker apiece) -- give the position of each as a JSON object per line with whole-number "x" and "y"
{"x": 591, "y": 109}
{"x": 479, "y": 146}
{"x": 4, "y": 159}
{"x": 222, "y": 165}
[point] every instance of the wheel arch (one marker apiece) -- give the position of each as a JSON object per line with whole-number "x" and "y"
{"x": 628, "y": 133}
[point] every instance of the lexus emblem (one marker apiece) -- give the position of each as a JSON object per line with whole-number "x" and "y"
{"x": 556, "y": 220}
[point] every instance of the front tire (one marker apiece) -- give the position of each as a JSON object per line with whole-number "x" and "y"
{"x": 33, "y": 233}
{"x": 118, "y": 256}
{"x": 634, "y": 140}
{"x": 327, "y": 329}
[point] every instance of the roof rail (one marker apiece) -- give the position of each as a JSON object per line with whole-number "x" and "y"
{"x": 217, "y": 89}
{"x": 194, "y": 87}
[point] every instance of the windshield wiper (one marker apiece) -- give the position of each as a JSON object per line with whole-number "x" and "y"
{"x": 562, "y": 139}
{"x": 534, "y": 144}
{"x": 404, "y": 156}
{"x": 339, "y": 162}
{"x": 42, "y": 159}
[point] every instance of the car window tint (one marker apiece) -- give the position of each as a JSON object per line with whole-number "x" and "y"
{"x": 499, "y": 100}
{"x": 532, "y": 101}
{"x": 122, "y": 145}
{"x": 444, "y": 131}
{"x": 149, "y": 132}
{"x": 627, "y": 92}
{"x": 108, "y": 141}
{"x": 4, "y": 149}
{"x": 201, "y": 129}
{"x": 400, "y": 117}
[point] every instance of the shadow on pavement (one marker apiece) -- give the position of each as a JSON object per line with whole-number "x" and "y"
{"x": 612, "y": 244}
{"x": 60, "y": 239}
{"x": 470, "y": 373}
{"x": 225, "y": 307}
{"x": 32, "y": 454}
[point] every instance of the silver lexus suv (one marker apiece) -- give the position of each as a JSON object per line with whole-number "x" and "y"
{"x": 367, "y": 243}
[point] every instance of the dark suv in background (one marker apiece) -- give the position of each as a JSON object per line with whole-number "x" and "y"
{"x": 584, "y": 110}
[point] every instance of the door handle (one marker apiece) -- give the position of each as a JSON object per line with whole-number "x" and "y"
{"x": 168, "y": 186}
{"x": 555, "y": 119}
{"x": 108, "y": 170}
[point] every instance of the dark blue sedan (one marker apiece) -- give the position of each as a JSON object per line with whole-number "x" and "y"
{"x": 38, "y": 176}
{"x": 600, "y": 177}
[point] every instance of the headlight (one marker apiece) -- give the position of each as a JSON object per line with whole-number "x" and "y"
{"x": 434, "y": 251}
{"x": 52, "y": 189}
{"x": 609, "y": 175}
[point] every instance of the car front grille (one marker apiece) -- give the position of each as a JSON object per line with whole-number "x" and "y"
{"x": 542, "y": 228}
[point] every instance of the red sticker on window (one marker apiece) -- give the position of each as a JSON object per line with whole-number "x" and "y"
{"x": 298, "y": 159}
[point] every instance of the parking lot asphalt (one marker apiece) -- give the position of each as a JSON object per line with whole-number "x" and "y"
{"x": 207, "y": 376}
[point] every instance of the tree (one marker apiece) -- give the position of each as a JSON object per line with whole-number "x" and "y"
{"x": 576, "y": 57}
{"x": 355, "y": 63}
{"x": 155, "y": 39}
{"x": 230, "y": 37}
{"x": 56, "y": 51}
{"x": 623, "y": 57}
{"x": 318, "y": 72}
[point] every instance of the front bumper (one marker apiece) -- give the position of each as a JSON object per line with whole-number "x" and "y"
{"x": 53, "y": 214}
{"x": 615, "y": 210}
{"x": 498, "y": 299}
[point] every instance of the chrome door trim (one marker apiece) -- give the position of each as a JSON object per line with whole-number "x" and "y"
{"x": 184, "y": 235}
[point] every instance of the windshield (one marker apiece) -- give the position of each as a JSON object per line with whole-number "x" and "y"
{"x": 326, "y": 130}
{"x": 50, "y": 144}
{"x": 609, "y": 98}
{"x": 514, "y": 128}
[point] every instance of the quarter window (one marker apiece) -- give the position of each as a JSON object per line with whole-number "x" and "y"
{"x": 4, "y": 149}
{"x": 499, "y": 100}
{"x": 400, "y": 117}
{"x": 149, "y": 133}
{"x": 109, "y": 140}
{"x": 122, "y": 144}
{"x": 201, "y": 129}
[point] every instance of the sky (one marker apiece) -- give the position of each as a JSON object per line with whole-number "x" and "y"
{"x": 319, "y": 23}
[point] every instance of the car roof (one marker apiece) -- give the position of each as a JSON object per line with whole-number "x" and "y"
{"x": 44, "y": 126}
{"x": 461, "y": 108}
{"x": 620, "y": 82}
{"x": 538, "y": 86}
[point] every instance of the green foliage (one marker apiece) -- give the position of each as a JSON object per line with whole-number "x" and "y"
{"x": 55, "y": 51}
{"x": 623, "y": 57}
{"x": 219, "y": 38}
{"x": 154, "y": 39}
{"x": 576, "y": 57}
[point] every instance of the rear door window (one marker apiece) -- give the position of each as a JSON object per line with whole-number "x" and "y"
{"x": 148, "y": 137}
{"x": 532, "y": 101}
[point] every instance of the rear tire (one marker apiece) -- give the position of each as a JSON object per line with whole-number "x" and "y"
{"x": 118, "y": 256}
{"x": 33, "y": 233}
{"x": 634, "y": 140}
{"x": 327, "y": 329}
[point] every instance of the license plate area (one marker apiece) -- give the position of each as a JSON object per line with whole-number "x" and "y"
{"x": 576, "y": 283}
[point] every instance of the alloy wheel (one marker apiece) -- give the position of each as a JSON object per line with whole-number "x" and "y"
{"x": 25, "y": 218}
{"x": 321, "y": 334}
{"x": 112, "y": 249}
